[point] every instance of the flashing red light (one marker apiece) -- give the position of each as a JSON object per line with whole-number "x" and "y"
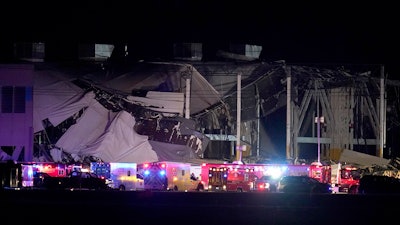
{"x": 350, "y": 168}
{"x": 163, "y": 165}
{"x": 146, "y": 165}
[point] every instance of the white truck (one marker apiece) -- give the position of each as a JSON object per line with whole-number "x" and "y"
{"x": 120, "y": 175}
{"x": 170, "y": 176}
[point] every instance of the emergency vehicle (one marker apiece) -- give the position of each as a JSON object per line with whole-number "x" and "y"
{"x": 349, "y": 178}
{"x": 119, "y": 175}
{"x": 228, "y": 177}
{"x": 343, "y": 178}
{"x": 51, "y": 168}
{"x": 27, "y": 175}
{"x": 320, "y": 172}
{"x": 101, "y": 169}
{"x": 16, "y": 175}
{"x": 268, "y": 175}
{"x": 169, "y": 176}
{"x": 23, "y": 174}
{"x": 279, "y": 170}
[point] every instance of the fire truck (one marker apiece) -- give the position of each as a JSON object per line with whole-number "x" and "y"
{"x": 51, "y": 168}
{"x": 343, "y": 178}
{"x": 348, "y": 179}
{"x": 169, "y": 176}
{"x": 320, "y": 172}
{"x": 228, "y": 177}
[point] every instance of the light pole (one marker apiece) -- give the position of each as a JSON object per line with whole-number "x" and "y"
{"x": 319, "y": 120}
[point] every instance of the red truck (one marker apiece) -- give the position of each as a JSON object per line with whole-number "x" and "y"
{"x": 343, "y": 178}
{"x": 228, "y": 177}
{"x": 51, "y": 168}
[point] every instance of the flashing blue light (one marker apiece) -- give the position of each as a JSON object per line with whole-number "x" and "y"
{"x": 146, "y": 172}
{"x": 225, "y": 175}
{"x": 162, "y": 172}
{"x": 30, "y": 172}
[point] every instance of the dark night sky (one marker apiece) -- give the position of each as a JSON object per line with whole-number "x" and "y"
{"x": 312, "y": 32}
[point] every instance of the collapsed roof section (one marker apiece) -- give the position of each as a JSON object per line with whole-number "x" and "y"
{"x": 269, "y": 79}
{"x": 142, "y": 78}
{"x": 151, "y": 91}
{"x": 56, "y": 98}
{"x": 101, "y": 118}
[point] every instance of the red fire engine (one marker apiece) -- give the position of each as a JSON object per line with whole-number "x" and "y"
{"x": 348, "y": 179}
{"x": 320, "y": 172}
{"x": 344, "y": 178}
{"x": 53, "y": 169}
{"x": 227, "y": 177}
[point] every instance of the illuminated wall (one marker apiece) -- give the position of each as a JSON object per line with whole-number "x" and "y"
{"x": 16, "y": 112}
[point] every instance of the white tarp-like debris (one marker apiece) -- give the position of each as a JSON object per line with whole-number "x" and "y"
{"x": 89, "y": 127}
{"x": 99, "y": 132}
{"x": 110, "y": 135}
{"x": 107, "y": 135}
{"x": 362, "y": 159}
{"x": 56, "y": 98}
{"x": 129, "y": 147}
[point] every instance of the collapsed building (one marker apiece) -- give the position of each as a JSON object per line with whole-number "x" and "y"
{"x": 186, "y": 111}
